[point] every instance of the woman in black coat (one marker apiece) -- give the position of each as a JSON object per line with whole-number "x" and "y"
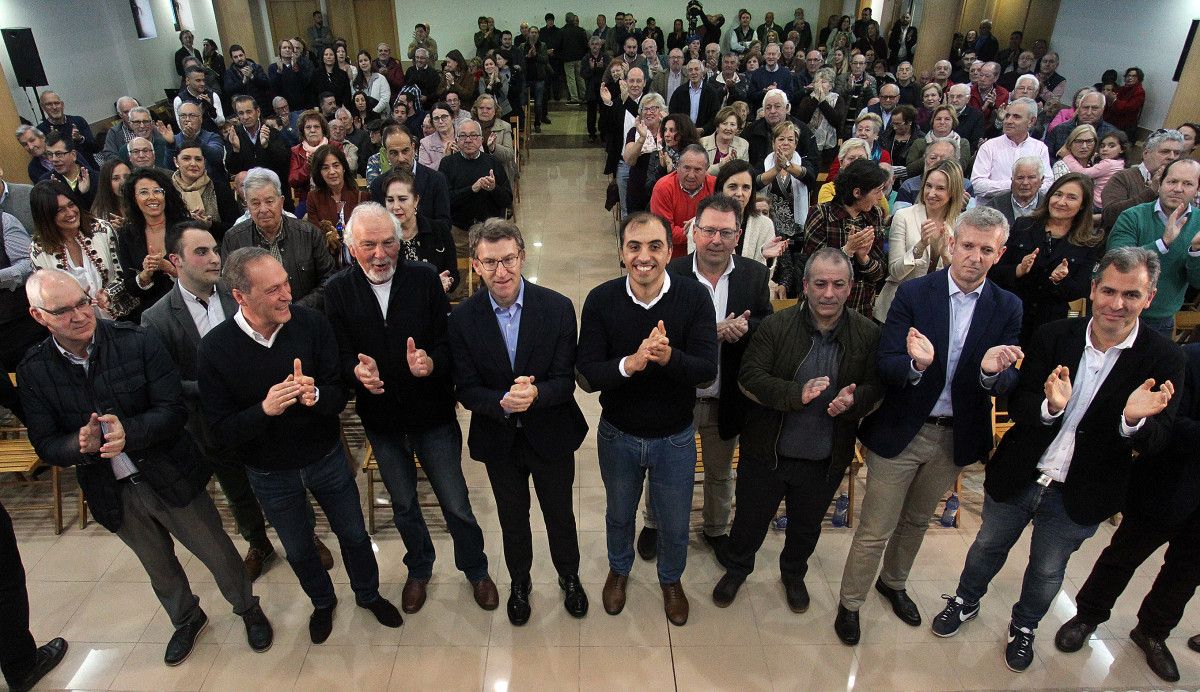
{"x": 329, "y": 77}
{"x": 422, "y": 239}
{"x": 152, "y": 205}
{"x": 1050, "y": 254}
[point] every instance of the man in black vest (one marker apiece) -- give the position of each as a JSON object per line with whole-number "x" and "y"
{"x": 1091, "y": 392}
{"x": 514, "y": 367}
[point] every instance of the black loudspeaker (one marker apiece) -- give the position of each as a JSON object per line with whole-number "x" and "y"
{"x": 23, "y": 53}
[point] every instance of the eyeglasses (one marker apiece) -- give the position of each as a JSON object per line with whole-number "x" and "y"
{"x": 151, "y": 192}
{"x": 489, "y": 265}
{"x": 188, "y": 116}
{"x": 710, "y": 233}
{"x": 440, "y": 117}
{"x": 139, "y": 122}
{"x": 141, "y": 151}
{"x": 57, "y": 154}
{"x": 470, "y": 135}
{"x": 84, "y": 304}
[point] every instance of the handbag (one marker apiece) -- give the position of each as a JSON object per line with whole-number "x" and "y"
{"x": 121, "y": 301}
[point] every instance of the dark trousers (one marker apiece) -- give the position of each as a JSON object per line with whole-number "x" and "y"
{"x": 18, "y": 652}
{"x": 1134, "y": 541}
{"x": 593, "y": 113}
{"x": 242, "y": 503}
{"x": 553, "y": 479}
{"x": 808, "y": 486}
{"x": 19, "y": 335}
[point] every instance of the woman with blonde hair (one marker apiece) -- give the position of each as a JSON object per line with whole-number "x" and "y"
{"x": 918, "y": 241}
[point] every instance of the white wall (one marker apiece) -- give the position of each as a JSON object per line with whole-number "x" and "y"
{"x": 1095, "y": 35}
{"x": 453, "y": 25}
{"x": 91, "y": 52}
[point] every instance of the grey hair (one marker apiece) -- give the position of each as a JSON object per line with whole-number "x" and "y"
{"x": 458, "y": 127}
{"x": 235, "y": 269}
{"x": 1035, "y": 161}
{"x": 781, "y": 94}
{"x": 1028, "y": 78}
{"x": 260, "y": 177}
{"x": 492, "y": 230}
{"x": 829, "y": 254}
{"x": 960, "y": 87}
{"x": 277, "y": 99}
{"x": 421, "y": 50}
{"x": 983, "y": 219}
{"x": 22, "y": 129}
{"x": 339, "y": 111}
{"x": 695, "y": 149}
{"x": 1128, "y": 259}
{"x": 33, "y": 285}
{"x": 1153, "y": 142}
{"x": 117, "y": 103}
{"x": 825, "y": 73}
{"x": 652, "y": 99}
{"x": 1030, "y": 104}
{"x": 370, "y": 209}
{"x": 993, "y": 66}
{"x": 141, "y": 110}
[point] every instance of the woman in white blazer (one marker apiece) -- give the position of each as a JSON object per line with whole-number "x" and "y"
{"x": 918, "y": 242}
{"x": 724, "y": 143}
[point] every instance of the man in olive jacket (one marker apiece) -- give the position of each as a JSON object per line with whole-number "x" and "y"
{"x": 810, "y": 373}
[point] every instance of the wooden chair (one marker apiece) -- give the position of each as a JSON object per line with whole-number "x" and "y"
{"x": 1186, "y": 321}
{"x": 518, "y": 140}
{"x": 778, "y": 304}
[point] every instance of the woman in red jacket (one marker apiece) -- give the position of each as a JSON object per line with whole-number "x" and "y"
{"x": 314, "y": 133}
{"x": 1125, "y": 108}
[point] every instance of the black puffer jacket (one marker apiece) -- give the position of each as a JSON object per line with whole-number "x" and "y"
{"x": 131, "y": 376}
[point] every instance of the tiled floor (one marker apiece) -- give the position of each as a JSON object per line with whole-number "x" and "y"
{"x": 86, "y": 586}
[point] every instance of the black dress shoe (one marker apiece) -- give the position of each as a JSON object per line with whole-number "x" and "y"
{"x": 48, "y": 655}
{"x": 1194, "y": 643}
{"x": 518, "y": 603}
{"x": 320, "y": 624}
{"x": 1158, "y": 656}
{"x": 545, "y": 120}
{"x": 717, "y": 543}
{"x": 647, "y": 543}
{"x": 575, "y": 600}
{"x": 902, "y": 605}
{"x": 385, "y": 613}
{"x": 797, "y": 595}
{"x": 846, "y": 626}
{"x": 184, "y": 639}
{"x": 1073, "y": 635}
{"x": 259, "y": 634}
{"x": 727, "y": 589}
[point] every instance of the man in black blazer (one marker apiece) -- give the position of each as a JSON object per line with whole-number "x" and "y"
{"x": 741, "y": 300}
{"x": 1092, "y": 392}
{"x": 708, "y": 101}
{"x": 251, "y": 143}
{"x": 946, "y": 349}
{"x": 514, "y": 367}
{"x": 181, "y": 318}
{"x": 1163, "y": 506}
{"x": 389, "y": 318}
{"x": 430, "y": 186}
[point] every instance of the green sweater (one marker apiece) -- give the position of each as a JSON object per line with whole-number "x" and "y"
{"x": 1140, "y": 226}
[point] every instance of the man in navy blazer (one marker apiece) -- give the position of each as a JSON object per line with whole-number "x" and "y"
{"x": 1092, "y": 393}
{"x": 430, "y": 186}
{"x": 513, "y": 347}
{"x": 947, "y": 347}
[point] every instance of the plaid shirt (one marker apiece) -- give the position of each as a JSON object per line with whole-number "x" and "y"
{"x": 829, "y": 225}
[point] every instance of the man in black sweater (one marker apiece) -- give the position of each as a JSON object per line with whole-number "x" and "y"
{"x": 389, "y": 319}
{"x": 646, "y": 343}
{"x": 479, "y": 187}
{"x": 266, "y": 413}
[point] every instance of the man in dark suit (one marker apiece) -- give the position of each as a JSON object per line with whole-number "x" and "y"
{"x": 741, "y": 299}
{"x": 1026, "y": 193}
{"x": 251, "y": 143}
{"x": 947, "y": 348}
{"x": 196, "y": 304}
{"x": 1163, "y": 506}
{"x": 389, "y": 317}
{"x": 696, "y": 99}
{"x": 430, "y": 186}
{"x": 514, "y": 368}
{"x": 970, "y": 121}
{"x": 1092, "y": 392}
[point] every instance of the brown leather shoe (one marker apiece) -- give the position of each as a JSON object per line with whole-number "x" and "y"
{"x": 323, "y": 552}
{"x": 675, "y": 603}
{"x": 613, "y": 595}
{"x": 413, "y": 596}
{"x": 486, "y": 594}
{"x": 256, "y": 561}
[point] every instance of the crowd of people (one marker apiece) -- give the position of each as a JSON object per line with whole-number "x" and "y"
{"x": 936, "y": 229}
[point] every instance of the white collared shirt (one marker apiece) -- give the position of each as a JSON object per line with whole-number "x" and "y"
{"x": 962, "y": 311}
{"x": 720, "y": 298}
{"x": 122, "y": 465}
{"x": 265, "y": 342}
{"x": 1166, "y": 218}
{"x": 1093, "y": 369}
{"x": 654, "y": 301}
{"x": 206, "y": 314}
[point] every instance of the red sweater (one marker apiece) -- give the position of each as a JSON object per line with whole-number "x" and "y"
{"x": 678, "y": 207}
{"x": 1123, "y": 113}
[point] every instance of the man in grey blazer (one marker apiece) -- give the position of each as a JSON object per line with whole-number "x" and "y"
{"x": 14, "y": 199}
{"x": 1026, "y": 193}
{"x": 195, "y": 305}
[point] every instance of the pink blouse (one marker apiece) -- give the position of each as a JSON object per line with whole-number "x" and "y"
{"x": 1100, "y": 173}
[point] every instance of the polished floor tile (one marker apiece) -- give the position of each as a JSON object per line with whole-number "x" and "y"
{"x": 87, "y": 586}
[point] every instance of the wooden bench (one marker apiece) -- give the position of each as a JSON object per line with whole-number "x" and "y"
{"x": 19, "y": 460}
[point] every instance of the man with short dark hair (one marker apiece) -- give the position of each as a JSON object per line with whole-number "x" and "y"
{"x": 678, "y": 194}
{"x": 319, "y": 35}
{"x": 400, "y": 151}
{"x": 186, "y": 50}
{"x": 646, "y": 343}
{"x": 70, "y": 170}
{"x": 196, "y": 91}
{"x": 245, "y": 76}
{"x": 71, "y": 127}
{"x": 514, "y": 367}
{"x": 251, "y": 143}
{"x": 422, "y": 39}
{"x": 1093, "y": 391}
{"x": 1009, "y": 57}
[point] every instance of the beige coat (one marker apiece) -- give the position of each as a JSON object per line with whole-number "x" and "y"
{"x": 902, "y": 263}
{"x": 740, "y": 147}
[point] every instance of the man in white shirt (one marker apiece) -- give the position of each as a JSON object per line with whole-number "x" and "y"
{"x": 992, "y": 173}
{"x": 1092, "y": 391}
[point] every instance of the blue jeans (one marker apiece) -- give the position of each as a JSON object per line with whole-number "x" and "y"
{"x": 285, "y": 504}
{"x": 1055, "y": 538}
{"x": 623, "y": 185}
{"x": 671, "y": 463}
{"x": 440, "y": 452}
{"x": 539, "y": 101}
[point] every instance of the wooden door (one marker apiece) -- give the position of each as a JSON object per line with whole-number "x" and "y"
{"x": 290, "y": 18}
{"x": 376, "y": 23}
